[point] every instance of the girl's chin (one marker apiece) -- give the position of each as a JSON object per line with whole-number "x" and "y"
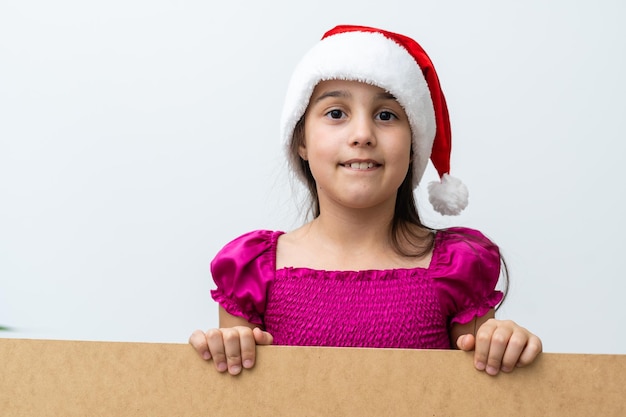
{"x": 364, "y": 200}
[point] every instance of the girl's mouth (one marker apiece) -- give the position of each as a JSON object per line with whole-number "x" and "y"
{"x": 361, "y": 165}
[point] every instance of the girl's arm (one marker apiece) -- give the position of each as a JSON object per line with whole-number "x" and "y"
{"x": 233, "y": 345}
{"x": 499, "y": 345}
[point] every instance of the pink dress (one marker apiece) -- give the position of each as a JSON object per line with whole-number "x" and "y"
{"x": 396, "y": 308}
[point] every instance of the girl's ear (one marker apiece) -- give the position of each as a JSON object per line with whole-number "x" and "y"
{"x": 302, "y": 152}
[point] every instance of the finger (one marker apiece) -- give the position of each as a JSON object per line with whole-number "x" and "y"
{"x": 262, "y": 337}
{"x": 497, "y": 348}
{"x": 232, "y": 346}
{"x": 482, "y": 344}
{"x": 248, "y": 348}
{"x": 514, "y": 348}
{"x": 531, "y": 351}
{"x": 466, "y": 342}
{"x": 198, "y": 341}
{"x": 215, "y": 340}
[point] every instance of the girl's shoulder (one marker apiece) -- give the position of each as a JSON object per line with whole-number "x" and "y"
{"x": 466, "y": 269}
{"x": 462, "y": 237}
{"x": 242, "y": 270}
{"x": 257, "y": 236}
{"x": 463, "y": 247}
{"x": 250, "y": 246}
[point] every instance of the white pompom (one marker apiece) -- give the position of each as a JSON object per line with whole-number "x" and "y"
{"x": 449, "y": 196}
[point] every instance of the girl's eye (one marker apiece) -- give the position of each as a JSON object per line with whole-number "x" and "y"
{"x": 386, "y": 115}
{"x": 335, "y": 114}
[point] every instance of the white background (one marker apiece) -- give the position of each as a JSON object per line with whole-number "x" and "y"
{"x": 137, "y": 137}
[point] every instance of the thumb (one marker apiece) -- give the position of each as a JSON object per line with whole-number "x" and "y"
{"x": 466, "y": 342}
{"x": 262, "y": 337}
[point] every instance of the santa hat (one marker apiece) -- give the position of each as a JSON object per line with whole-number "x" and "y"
{"x": 399, "y": 65}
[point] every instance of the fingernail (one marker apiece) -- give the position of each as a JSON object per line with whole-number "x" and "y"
{"x": 505, "y": 369}
{"x": 480, "y": 366}
{"x": 235, "y": 369}
{"x": 206, "y": 356}
{"x": 221, "y": 366}
{"x": 492, "y": 370}
{"x": 247, "y": 364}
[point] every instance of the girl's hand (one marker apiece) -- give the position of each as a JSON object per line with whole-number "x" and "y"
{"x": 231, "y": 348}
{"x": 501, "y": 345}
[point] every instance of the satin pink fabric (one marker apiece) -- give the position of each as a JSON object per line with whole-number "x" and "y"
{"x": 398, "y": 308}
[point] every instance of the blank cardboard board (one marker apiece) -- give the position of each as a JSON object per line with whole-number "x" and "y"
{"x": 78, "y": 378}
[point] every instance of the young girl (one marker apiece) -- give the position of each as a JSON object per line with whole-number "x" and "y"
{"x": 363, "y": 114}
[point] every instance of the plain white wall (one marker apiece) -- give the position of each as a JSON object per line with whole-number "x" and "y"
{"x": 138, "y": 137}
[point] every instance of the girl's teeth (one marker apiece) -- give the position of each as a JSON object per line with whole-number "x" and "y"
{"x": 361, "y": 165}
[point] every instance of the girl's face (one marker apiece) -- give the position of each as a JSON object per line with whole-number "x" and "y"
{"x": 357, "y": 140}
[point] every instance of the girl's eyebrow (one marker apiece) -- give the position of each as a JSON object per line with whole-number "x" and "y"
{"x": 345, "y": 94}
{"x": 386, "y": 96}
{"x": 333, "y": 93}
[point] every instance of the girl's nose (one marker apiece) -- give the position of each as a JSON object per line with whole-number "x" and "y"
{"x": 363, "y": 132}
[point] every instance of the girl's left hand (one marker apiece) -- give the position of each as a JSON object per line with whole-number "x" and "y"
{"x": 501, "y": 345}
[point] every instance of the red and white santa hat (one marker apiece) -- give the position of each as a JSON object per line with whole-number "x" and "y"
{"x": 399, "y": 65}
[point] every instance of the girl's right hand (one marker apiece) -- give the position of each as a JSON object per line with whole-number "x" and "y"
{"x": 231, "y": 348}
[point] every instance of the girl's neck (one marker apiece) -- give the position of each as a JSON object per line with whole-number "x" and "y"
{"x": 353, "y": 243}
{"x": 342, "y": 238}
{"x": 353, "y": 229}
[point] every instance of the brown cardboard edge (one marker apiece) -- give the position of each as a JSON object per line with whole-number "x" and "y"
{"x": 78, "y": 378}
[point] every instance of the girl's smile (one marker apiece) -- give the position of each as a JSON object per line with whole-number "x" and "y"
{"x": 361, "y": 165}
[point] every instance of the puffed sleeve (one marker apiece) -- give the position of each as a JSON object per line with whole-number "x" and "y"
{"x": 242, "y": 271}
{"x": 466, "y": 273}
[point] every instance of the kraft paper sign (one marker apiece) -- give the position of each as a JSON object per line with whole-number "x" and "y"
{"x": 76, "y": 378}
